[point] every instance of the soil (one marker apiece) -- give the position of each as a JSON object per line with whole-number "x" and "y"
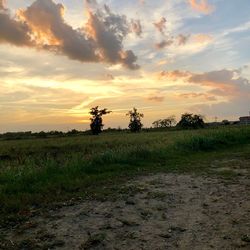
{"x": 165, "y": 211}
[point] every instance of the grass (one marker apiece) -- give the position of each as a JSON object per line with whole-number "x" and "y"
{"x": 40, "y": 171}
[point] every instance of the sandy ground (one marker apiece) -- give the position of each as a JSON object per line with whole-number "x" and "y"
{"x": 166, "y": 211}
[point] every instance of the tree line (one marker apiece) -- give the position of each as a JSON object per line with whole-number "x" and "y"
{"x": 187, "y": 121}
{"x": 135, "y": 125}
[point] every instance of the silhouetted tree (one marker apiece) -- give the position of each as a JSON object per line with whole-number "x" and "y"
{"x": 171, "y": 121}
{"x": 157, "y": 123}
{"x": 42, "y": 134}
{"x": 73, "y": 132}
{"x": 96, "y": 124}
{"x": 225, "y": 122}
{"x": 191, "y": 121}
{"x": 135, "y": 124}
{"x": 165, "y": 123}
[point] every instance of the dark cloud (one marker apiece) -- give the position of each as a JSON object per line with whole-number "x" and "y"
{"x": 45, "y": 18}
{"x": 174, "y": 75}
{"x": 232, "y": 89}
{"x": 229, "y": 91}
{"x": 179, "y": 40}
{"x": 108, "y": 33}
{"x": 12, "y": 31}
{"x": 136, "y": 27}
{"x": 164, "y": 43}
{"x": 224, "y": 82}
{"x": 229, "y": 109}
{"x": 221, "y": 76}
{"x": 182, "y": 39}
{"x": 42, "y": 26}
{"x": 161, "y": 25}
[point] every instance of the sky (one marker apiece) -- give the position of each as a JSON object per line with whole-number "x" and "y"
{"x": 59, "y": 58}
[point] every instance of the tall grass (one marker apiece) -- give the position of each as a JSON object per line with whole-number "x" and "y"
{"x": 37, "y": 171}
{"x": 214, "y": 139}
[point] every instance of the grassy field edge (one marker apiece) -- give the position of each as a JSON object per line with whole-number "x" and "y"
{"x": 38, "y": 182}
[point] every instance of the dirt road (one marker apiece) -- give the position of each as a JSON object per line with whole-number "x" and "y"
{"x": 163, "y": 211}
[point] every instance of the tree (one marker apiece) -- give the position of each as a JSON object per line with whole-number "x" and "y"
{"x": 226, "y": 122}
{"x": 96, "y": 124}
{"x": 135, "y": 124}
{"x": 191, "y": 121}
{"x": 168, "y": 122}
{"x": 165, "y": 123}
{"x": 157, "y": 123}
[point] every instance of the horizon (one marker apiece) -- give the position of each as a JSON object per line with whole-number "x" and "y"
{"x": 59, "y": 59}
{"x": 80, "y": 128}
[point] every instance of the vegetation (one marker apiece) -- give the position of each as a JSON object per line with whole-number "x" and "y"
{"x": 165, "y": 123}
{"x": 135, "y": 124}
{"x": 42, "y": 134}
{"x": 96, "y": 124}
{"x": 225, "y": 122}
{"x": 37, "y": 172}
{"x": 190, "y": 121}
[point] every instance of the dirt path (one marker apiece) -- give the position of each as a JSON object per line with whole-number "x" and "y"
{"x": 166, "y": 211}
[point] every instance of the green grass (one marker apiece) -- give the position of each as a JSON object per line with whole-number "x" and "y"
{"x": 40, "y": 171}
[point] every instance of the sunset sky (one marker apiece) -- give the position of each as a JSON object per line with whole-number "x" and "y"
{"x": 59, "y": 58}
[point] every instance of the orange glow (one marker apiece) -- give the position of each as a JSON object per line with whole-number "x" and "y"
{"x": 41, "y": 31}
{"x": 202, "y": 6}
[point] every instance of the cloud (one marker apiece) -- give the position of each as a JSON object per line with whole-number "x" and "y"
{"x": 162, "y": 62}
{"x": 2, "y": 4}
{"x": 229, "y": 109}
{"x": 192, "y": 95}
{"x": 224, "y": 93}
{"x": 37, "y": 107}
{"x": 229, "y": 87}
{"x": 202, "y": 38}
{"x": 91, "y": 2}
{"x": 42, "y": 25}
{"x": 109, "y": 76}
{"x": 192, "y": 42}
{"x": 201, "y": 6}
{"x": 32, "y": 99}
{"x": 108, "y": 34}
{"x": 164, "y": 43}
{"x": 136, "y": 27}
{"x": 182, "y": 39}
{"x": 161, "y": 25}
{"x": 13, "y": 97}
{"x": 12, "y": 31}
{"x": 185, "y": 45}
{"x": 223, "y": 82}
{"x": 174, "y": 75}
{"x": 45, "y": 19}
{"x": 156, "y": 98}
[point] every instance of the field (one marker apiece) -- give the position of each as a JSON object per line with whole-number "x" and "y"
{"x": 58, "y": 176}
